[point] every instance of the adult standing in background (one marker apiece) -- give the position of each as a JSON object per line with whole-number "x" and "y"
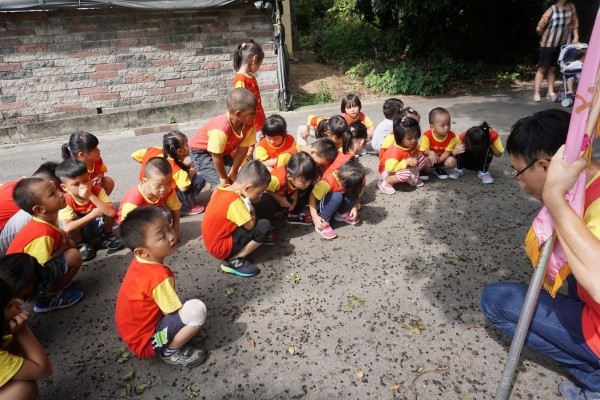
{"x": 558, "y": 26}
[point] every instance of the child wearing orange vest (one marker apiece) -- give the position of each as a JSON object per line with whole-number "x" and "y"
{"x": 277, "y": 146}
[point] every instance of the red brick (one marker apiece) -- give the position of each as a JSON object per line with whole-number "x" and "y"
{"x": 159, "y": 91}
{"x": 93, "y": 90}
{"x": 32, "y": 48}
{"x": 268, "y": 67}
{"x": 103, "y": 75}
{"x": 84, "y": 28}
{"x": 211, "y": 65}
{"x": 109, "y": 67}
{"x": 13, "y": 106}
{"x": 22, "y": 120}
{"x": 141, "y": 78}
{"x": 83, "y": 53}
{"x": 10, "y": 66}
{"x": 130, "y": 34}
{"x": 168, "y": 61}
{"x": 67, "y": 107}
{"x": 178, "y": 82}
{"x": 169, "y": 47}
{"x": 125, "y": 42}
{"x": 106, "y": 96}
{"x": 178, "y": 96}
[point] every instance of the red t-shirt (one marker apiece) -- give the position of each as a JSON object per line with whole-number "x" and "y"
{"x": 395, "y": 152}
{"x": 249, "y": 82}
{"x": 219, "y": 125}
{"x": 8, "y": 207}
{"x": 146, "y": 294}
{"x": 37, "y": 238}
{"x": 98, "y": 167}
{"x": 83, "y": 209}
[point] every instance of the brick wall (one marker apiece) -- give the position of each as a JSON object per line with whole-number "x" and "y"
{"x": 60, "y": 64}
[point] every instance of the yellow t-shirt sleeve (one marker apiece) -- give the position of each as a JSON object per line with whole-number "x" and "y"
{"x": 9, "y": 366}
{"x": 103, "y": 197}
{"x": 173, "y": 202}
{"x": 182, "y": 179}
{"x": 103, "y": 168}
{"x": 239, "y": 84}
{"x": 451, "y": 145}
{"x": 497, "y": 144}
{"x": 66, "y": 214}
{"x": 260, "y": 153}
{"x": 368, "y": 123}
{"x": 274, "y": 185}
{"x": 165, "y": 296}
{"x": 238, "y": 213}
{"x": 217, "y": 140}
{"x": 249, "y": 139}
{"x": 388, "y": 141}
{"x": 321, "y": 189}
{"x": 393, "y": 165}
{"x": 126, "y": 208}
{"x": 424, "y": 146}
{"x": 139, "y": 155}
{"x": 40, "y": 248}
{"x": 591, "y": 218}
{"x": 283, "y": 159}
{"x": 309, "y": 120}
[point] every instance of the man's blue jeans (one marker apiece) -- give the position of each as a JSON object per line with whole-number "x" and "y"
{"x": 555, "y": 328}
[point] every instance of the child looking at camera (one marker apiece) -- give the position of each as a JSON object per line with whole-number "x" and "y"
{"x": 149, "y": 316}
{"x": 350, "y": 109}
{"x": 277, "y": 146}
{"x": 437, "y": 144}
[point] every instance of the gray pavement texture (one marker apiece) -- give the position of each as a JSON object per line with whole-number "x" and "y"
{"x": 388, "y": 310}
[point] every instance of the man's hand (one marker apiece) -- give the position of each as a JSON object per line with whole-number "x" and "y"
{"x": 561, "y": 175}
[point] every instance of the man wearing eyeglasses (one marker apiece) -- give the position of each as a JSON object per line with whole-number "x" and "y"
{"x": 565, "y": 328}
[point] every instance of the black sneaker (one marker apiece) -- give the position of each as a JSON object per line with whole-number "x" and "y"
{"x": 86, "y": 250}
{"x": 240, "y": 267}
{"x": 187, "y": 356}
{"x": 440, "y": 173}
{"x": 299, "y": 219}
{"x": 110, "y": 241}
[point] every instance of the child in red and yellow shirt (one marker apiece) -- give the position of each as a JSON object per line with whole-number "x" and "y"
{"x": 277, "y": 146}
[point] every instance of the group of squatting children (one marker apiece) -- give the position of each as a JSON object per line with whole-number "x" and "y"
{"x": 59, "y": 217}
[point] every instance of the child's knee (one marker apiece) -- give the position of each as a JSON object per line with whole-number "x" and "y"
{"x": 450, "y": 162}
{"x": 193, "y": 313}
{"x": 74, "y": 260}
{"x": 108, "y": 184}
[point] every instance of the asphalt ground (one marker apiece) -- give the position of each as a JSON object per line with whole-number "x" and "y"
{"x": 388, "y": 310}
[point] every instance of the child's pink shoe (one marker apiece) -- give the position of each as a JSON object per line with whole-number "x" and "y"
{"x": 386, "y": 187}
{"x": 345, "y": 217}
{"x": 327, "y": 231}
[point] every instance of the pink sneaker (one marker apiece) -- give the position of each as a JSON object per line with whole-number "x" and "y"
{"x": 327, "y": 232}
{"x": 386, "y": 187}
{"x": 197, "y": 209}
{"x": 345, "y": 217}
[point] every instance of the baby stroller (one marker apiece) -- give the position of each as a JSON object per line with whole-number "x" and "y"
{"x": 570, "y": 67}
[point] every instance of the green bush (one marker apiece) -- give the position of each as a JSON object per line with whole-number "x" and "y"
{"x": 347, "y": 40}
{"x": 322, "y": 96}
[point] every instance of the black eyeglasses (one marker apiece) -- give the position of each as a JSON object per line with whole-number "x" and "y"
{"x": 516, "y": 173}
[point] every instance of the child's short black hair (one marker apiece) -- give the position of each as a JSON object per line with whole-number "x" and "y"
{"x": 322, "y": 127}
{"x": 6, "y": 295}
{"x": 255, "y": 173}
{"x": 391, "y": 107}
{"x": 538, "y": 135}
{"x": 435, "y": 112}
{"x": 274, "y": 126}
{"x": 352, "y": 176}
{"x": 337, "y": 126}
{"x": 79, "y": 142}
{"x": 325, "y": 148}
{"x": 173, "y": 141}
{"x": 408, "y": 112}
{"x": 20, "y": 270}
{"x": 48, "y": 171}
{"x": 241, "y": 99}
{"x": 405, "y": 125}
{"x": 477, "y": 138}
{"x": 158, "y": 165}
{"x": 71, "y": 169}
{"x": 350, "y": 100}
{"x": 302, "y": 165}
{"x": 133, "y": 228}
{"x": 24, "y": 196}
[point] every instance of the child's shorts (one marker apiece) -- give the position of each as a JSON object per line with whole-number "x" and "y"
{"x": 52, "y": 271}
{"x": 203, "y": 162}
{"x": 92, "y": 230}
{"x": 241, "y": 237}
{"x": 165, "y": 331}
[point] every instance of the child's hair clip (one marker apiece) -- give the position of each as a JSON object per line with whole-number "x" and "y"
{"x": 403, "y": 120}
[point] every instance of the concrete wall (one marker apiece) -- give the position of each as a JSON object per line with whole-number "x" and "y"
{"x": 64, "y": 64}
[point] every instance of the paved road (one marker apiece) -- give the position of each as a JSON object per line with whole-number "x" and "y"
{"x": 389, "y": 310}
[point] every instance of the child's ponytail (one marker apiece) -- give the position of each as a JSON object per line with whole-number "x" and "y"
{"x": 402, "y": 126}
{"x": 79, "y": 142}
{"x": 356, "y": 130}
{"x": 477, "y": 138}
{"x": 243, "y": 52}
{"x": 322, "y": 128}
{"x": 66, "y": 152}
{"x": 172, "y": 142}
{"x": 352, "y": 176}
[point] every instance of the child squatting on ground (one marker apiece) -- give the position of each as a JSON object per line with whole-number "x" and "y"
{"x": 149, "y": 315}
{"x": 187, "y": 183}
{"x": 51, "y": 247}
{"x": 19, "y": 372}
{"x": 219, "y": 147}
{"x": 401, "y": 162}
{"x": 230, "y": 229}
{"x": 277, "y": 146}
{"x": 89, "y": 214}
{"x": 437, "y": 143}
